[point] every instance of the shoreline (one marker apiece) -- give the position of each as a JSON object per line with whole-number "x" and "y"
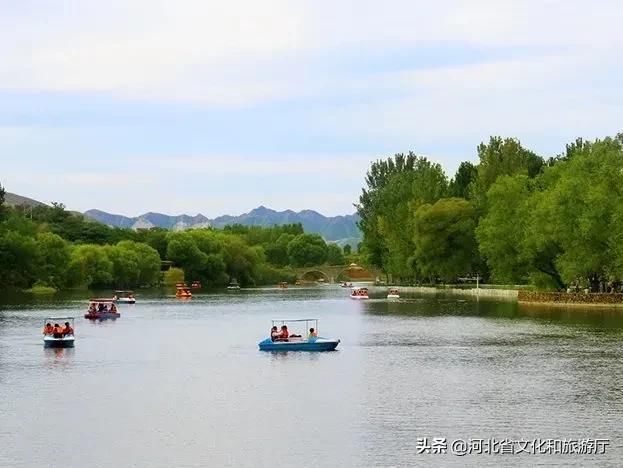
{"x": 521, "y": 296}
{"x": 573, "y": 305}
{"x": 508, "y": 294}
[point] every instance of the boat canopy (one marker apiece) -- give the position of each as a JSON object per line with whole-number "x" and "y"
{"x": 59, "y": 319}
{"x": 124, "y": 292}
{"x": 306, "y": 321}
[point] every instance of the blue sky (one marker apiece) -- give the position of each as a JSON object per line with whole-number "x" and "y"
{"x": 217, "y": 107}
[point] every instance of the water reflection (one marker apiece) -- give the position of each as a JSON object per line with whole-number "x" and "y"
{"x": 58, "y": 355}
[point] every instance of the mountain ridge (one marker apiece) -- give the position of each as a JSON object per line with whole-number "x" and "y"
{"x": 12, "y": 199}
{"x": 332, "y": 228}
{"x": 341, "y": 228}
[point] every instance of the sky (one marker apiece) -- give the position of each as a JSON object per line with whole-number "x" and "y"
{"x": 217, "y": 107}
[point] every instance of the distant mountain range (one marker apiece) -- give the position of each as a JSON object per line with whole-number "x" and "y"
{"x": 340, "y": 229}
{"x": 336, "y": 228}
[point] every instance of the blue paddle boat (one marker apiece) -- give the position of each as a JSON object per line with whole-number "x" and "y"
{"x": 282, "y": 339}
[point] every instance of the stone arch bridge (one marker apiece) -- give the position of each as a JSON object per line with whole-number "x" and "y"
{"x": 333, "y": 273}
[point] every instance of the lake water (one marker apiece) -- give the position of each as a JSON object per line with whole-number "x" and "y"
{"x": 182, "y": 383}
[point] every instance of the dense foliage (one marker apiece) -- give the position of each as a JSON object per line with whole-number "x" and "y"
{"x": 50, "y": 246}
{"x": 512, "y": 218}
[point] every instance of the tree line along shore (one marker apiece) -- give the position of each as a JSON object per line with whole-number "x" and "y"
{"x": 47, "y": 248}
{"x": 515, "y": 217}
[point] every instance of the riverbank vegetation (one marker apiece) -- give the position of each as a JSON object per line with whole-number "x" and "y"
{"x": 514, "y": 217}
{"x": 48, "y": 247}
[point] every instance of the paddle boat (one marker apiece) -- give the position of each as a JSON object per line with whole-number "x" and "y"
{"x": 183, "y": 292}
{"x": 102, "y": 309}
{"x": 344, "y": 284}
{"x": 359, "y": 293}
{"x": 283, "y": 285}
{"x": 233, "y": 286}
{"x": 393, "y": 294}
{"x": 58, "y": 332}
{"x": 308, "y": 340}
{"x": 195, "y": 285}
{"x": 124, "y": 297}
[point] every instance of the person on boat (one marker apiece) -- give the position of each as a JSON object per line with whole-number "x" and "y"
{"x": 67, "y": 330}
{"x": 284, "y": 334}
{"x": 113, "y": 308}
{"x": 91, "y": 308}
{"x": 274, "y": 333}
{"x": 312, "y": 333}
{"x": 57, "y": 332}
{"x": 48, "y": 329}
{"x": 100, "y": 307}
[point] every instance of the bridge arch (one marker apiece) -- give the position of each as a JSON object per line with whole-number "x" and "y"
{"x": 314, "y": 274}
{"x": 334, "y": 273}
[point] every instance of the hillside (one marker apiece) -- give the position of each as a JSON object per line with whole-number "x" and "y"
{"x": 12, "y": 199}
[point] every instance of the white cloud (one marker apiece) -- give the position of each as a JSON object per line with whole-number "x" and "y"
{"x": 141, "y": 48}
{"x": 563, "y": 82}
{"x": 240, "y": 52}
{"x": 575, "y": 93}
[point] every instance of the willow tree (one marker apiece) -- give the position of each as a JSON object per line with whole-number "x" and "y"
{"x": 445, "y": 240}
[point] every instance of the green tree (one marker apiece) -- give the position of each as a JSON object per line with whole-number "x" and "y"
{"x": 370, "y": 205}
{"x": 465, "y": 175}
{"x": 347, "y": 249}
{"x": 149, "y": 262}
{"x": 241, "y": 260}
{"x": 501, "y": 233}
{"x": 502, "y": 157}
{"x": 89, "y": 265}
{"x": 125, "y": 266}
{"x": 578, "y": 211}
{"x": 157, "y": 239}
{"x": 183, "y": 252}
{"x": 18, "y": 260}
{"x": 335, "y": 256}
{"x": 445, "y": 238}
{"x": 307, "y": 250}
{"x": 53, "y": 257}
{"x": 399, "y": 199}
{"x": 277, "y": 252}
{"x": 515, "y": 241}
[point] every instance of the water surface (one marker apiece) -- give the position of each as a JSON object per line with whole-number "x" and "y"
{"x": 182, "y": 383}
